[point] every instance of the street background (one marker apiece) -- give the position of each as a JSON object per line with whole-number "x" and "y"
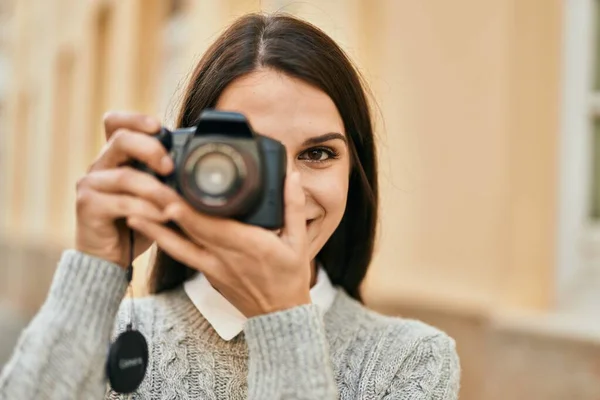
{"x": 489, "y": 141}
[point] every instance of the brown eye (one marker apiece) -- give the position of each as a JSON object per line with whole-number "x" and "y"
{"x": 318, "y": 155}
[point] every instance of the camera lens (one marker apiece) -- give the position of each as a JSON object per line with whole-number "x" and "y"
{"x": 219, "y": 178}
{"x": 215, "y": 173}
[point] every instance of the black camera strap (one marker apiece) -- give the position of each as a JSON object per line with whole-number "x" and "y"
{"x": 128, "y": 355}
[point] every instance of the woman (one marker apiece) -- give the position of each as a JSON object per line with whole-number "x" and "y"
{"x": 238, "y": 311}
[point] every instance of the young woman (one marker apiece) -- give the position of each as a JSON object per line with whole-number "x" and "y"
{"x": 238, "y": 311}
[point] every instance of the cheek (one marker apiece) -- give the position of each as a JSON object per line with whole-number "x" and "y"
{"x": 329, "y": 190}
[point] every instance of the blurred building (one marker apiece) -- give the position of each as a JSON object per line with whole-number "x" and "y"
{"x": 489, "y": 143}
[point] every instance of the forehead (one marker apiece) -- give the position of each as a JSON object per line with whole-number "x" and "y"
{"x": 281, "y": 107}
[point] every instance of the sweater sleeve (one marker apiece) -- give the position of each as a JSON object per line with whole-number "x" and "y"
{"x": 430, "y": 372}
{"x": 62, "y": 353}
{"x": 289, "y": 356}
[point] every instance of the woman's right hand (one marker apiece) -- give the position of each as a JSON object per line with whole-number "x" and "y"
{"x": 112, "y": 191}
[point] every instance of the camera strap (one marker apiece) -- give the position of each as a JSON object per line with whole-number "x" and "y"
{"x": 128, "y": 355}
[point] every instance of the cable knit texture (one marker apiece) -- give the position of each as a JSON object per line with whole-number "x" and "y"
{"x": 349, "y": 352}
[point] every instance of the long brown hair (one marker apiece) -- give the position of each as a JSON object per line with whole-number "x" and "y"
{"x": 303, "y": 51}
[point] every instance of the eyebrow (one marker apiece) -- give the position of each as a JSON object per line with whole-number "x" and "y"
{"x": 324, "y": 138}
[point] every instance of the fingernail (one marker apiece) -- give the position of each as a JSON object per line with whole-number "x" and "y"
{"x": 132, "y": 221}
{"x": 151, "y": 123}
{"x": 168, "y": 211}
{"x": 166, "y": 164}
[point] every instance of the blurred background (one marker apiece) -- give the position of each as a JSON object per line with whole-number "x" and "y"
{"x": 488, "y": 122}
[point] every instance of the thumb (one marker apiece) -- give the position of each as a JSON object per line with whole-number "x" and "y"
{"x": 294, "y": 230}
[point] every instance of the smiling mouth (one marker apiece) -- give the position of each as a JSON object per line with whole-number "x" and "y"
{"x": 308, "y": 222}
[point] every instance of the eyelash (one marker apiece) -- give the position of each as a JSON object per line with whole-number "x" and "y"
{"x": 331, "y": 153}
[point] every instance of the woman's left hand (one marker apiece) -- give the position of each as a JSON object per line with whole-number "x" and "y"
{"x": 258, "y": 271}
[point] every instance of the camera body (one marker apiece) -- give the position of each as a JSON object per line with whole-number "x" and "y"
{"x": 223, "y": 168}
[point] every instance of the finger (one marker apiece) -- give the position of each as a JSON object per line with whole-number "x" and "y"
{"x": 91, "y": 203}
{"x": 126, "y": 180}
{"x": 215, "y": 233}
{"x": 177, "y": 246}
{"x": 294, "y": 230}
{"x": 114, "y": 120}
{"x": 127, "y": 145}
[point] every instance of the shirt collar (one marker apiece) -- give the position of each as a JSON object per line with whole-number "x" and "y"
{"x": 227, "y": 320}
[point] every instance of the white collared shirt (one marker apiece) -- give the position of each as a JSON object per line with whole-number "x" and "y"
{"x": 227, "y": 320}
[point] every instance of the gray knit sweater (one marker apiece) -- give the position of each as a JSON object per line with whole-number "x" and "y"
{"x": 348, "y": 353}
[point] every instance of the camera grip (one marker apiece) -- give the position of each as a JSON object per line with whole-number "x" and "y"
{"x": 165, "y": 137}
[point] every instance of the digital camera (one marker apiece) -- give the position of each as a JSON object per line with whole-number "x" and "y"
{"x": 223, "y": 168}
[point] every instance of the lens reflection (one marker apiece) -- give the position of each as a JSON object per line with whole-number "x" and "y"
{"x": 215, "y": 174}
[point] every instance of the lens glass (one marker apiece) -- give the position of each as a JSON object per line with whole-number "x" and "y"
{"x": 215, "y": 174}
